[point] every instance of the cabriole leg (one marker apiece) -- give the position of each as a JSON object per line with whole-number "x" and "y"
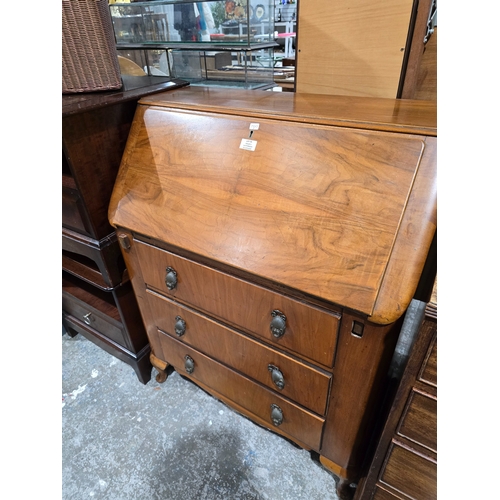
{"x": 161, "y": 366}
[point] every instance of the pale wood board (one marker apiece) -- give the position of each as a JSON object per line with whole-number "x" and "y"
{"x": 351, "y": 47}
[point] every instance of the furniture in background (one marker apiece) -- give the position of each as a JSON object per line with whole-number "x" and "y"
{"x": 98, "y": 300}
{"x": 128, "y": 67}
{"x": 285, "y": 14}
{"x": 274, "y": 243}
{"x": 420, "y": 70}
{"x": 361, "y": 48}
{"x": 426, "y": 86}
{"x": 89, "y": 61}
{"x": 405, "y": 462}
{"x": 229, "y": 44}
{"x": 289, "y": 36}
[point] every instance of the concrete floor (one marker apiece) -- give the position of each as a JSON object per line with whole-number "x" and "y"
{"x": 122, "y": 440}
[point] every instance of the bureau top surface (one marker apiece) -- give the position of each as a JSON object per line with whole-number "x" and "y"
{"x": 334, "y": 206}
{"x": 397, "y": 115}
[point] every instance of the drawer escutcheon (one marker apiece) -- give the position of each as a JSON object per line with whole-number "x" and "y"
{"x": 170, "y": 278}
{"x": 189, "y": 363}
{"x": 276, "y": 376}
{"x": 278, "y": 324}
{"x": 276, "y": 415}
{"x": 180, "y": 326}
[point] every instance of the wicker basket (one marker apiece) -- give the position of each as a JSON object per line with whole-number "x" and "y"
{"x": 89, "y": 57}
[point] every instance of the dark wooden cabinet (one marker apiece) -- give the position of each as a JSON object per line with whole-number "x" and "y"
{"x": 405, "y": 461}
{"x": 274, "y": 242}
{"x": 98, "y": 300}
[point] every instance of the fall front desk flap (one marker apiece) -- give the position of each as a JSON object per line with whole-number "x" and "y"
{"x": 332, "y": 196}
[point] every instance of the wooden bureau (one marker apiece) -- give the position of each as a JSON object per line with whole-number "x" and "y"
{"x": 274, "y": 242}
{"x": 97, "y": 297}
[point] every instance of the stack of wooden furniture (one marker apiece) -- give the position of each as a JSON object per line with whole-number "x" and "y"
{"x": 274, "y": 242}
{"x": 405, "y": 462}
{"x": 98, "y": 300}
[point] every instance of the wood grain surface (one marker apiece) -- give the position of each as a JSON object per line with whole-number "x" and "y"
{"x": 328, "y": 218}
{"x": 419, "y": 420}
{"x": 310, "y": 332}
{"x": 394, "y": 115}
{"x": 302, "y": 383}
{"x": 297, "y": 422}
{"x": 315, "y": 208}
{"x": 352, "y": 47}
{"x": 412, "y": 474}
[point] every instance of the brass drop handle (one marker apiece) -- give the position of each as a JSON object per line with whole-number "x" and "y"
{"x": 278, "y": 323}
{"x": 277, "y": 376}
{"x": 171, "y": 278}
{"x": 180, "y": 326}
{"x": 87, "y": 318}
{"x": 189, "y": 363}
{"x": 276, "y": 415}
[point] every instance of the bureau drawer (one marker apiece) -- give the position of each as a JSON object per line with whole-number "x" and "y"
{"x": 296, "y": 422}
{"x": 419, "y": 421}
{"x": 411, "y": 474}
{"x": 309, "y": 331}
{"x": 93, "y": 307}
{"x": 302, "y": 383}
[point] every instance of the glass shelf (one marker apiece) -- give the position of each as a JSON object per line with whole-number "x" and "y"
{"x": 211, "y": 24}
{"x": 249, "y": 69}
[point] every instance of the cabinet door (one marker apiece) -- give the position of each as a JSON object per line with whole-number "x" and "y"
{"x": 352, "y": 47}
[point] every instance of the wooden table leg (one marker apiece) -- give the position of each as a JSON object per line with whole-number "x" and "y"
{"x": 344, "y": 489}
{"x": 161, "y": 366}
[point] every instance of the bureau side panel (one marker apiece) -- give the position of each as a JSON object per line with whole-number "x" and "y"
{"x": 357, "y": 390}
{"x": 134, "y": 270}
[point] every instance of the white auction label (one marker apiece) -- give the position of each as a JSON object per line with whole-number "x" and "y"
{"x": 254, "y": 126}
{"x": 248, "y": 144}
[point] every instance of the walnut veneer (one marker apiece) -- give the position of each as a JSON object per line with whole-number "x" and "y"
{"x": 277, "y": 278}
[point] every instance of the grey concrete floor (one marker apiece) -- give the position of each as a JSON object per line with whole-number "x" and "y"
{"x": 122, "y": 440}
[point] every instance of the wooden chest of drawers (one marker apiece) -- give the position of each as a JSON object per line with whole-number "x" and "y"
{"x": 274, "y": 242}
{"x": 97, "y": 297}
{"x": 405, "y": 461}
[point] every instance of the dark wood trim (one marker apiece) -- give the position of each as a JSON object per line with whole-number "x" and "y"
{"x": 408, "y": 86}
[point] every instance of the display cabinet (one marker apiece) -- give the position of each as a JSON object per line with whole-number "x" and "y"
{"x": 217, "y": 43}
{"x": 239, "y": 69}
